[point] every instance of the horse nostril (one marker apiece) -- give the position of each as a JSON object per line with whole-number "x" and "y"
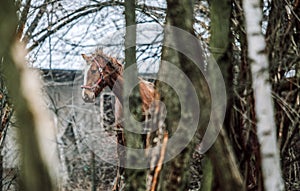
{"x": 85, "y": 97}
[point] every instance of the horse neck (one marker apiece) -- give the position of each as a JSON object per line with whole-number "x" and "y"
{"x": 117, "y": 87}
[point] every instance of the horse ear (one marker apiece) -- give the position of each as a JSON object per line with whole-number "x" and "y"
{"x": 85, "y": 57}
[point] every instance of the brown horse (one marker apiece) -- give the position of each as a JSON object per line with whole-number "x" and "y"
{"x": 104, "y": 71}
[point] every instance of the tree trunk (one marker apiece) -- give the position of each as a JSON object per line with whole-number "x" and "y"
{"x": 221, "y": 154}
{"x": 264, "y": 110}
{"x": 34, "y": 173}
{"x": 135, "y": 179}
{"x": 175, "y": 175}
{"x": 220, "y": 43}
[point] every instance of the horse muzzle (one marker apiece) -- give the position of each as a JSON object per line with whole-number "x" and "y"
{"x": 88, "y": 96}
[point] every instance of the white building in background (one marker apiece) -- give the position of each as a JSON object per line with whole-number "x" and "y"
{"x": 81, "y": 127}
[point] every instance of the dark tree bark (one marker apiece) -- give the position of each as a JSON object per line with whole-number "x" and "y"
{"x": 135, "y": 179}
{"x": 175, "y": 175}
{"x": 220, "y": 43}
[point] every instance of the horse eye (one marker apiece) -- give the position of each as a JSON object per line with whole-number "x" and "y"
{"x": 93, "y": 71}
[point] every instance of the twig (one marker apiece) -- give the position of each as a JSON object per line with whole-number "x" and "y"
{"x": 160, "y": 162}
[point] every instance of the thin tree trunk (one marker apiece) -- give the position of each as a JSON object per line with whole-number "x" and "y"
{"x": 93, "y": 172}
{"x": 264, "y": 110}
{"x": 135, "y": 179}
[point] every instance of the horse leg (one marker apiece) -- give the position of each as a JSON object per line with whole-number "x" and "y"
{"x": 119, "y": 182}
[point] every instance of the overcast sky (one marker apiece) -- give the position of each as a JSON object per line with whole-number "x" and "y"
{"x": 101, "y": 29}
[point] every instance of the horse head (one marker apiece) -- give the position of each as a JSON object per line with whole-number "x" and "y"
{"x": 94, "y": 75}
{"x": 100, "y": 71}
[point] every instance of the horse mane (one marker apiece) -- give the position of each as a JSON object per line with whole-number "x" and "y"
{"x": 113, "y": 62}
